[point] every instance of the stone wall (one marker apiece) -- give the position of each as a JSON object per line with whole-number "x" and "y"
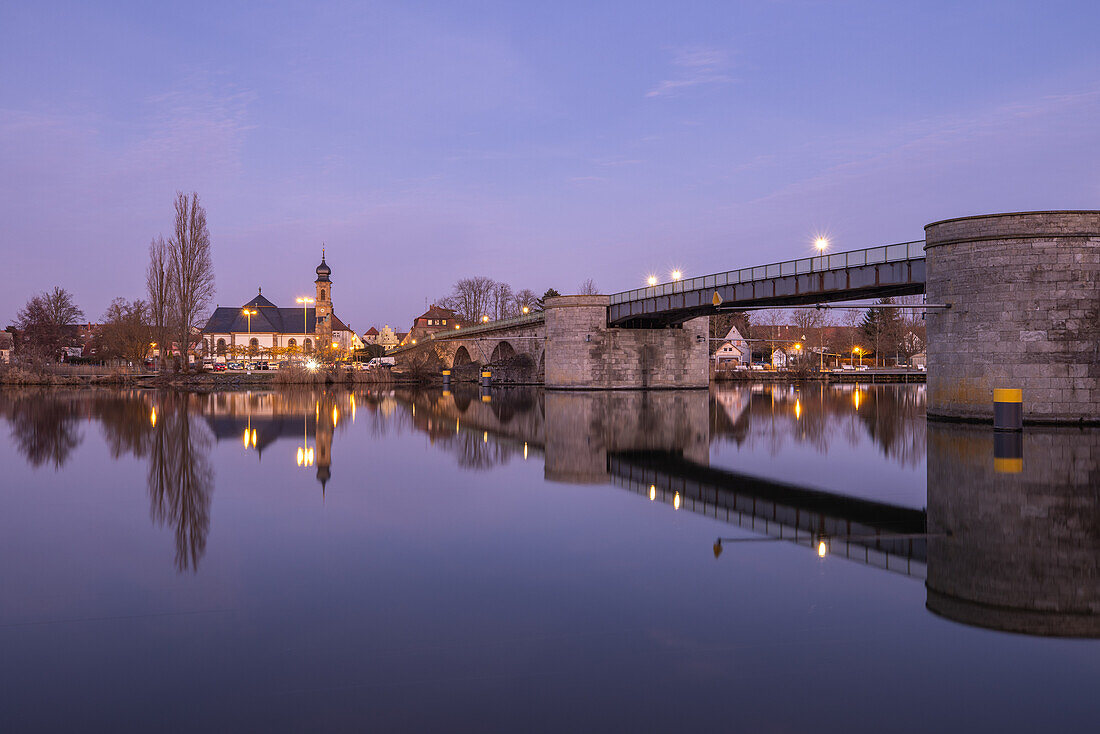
{"x": 1024, "y": 291}
{"x": 583, "y": 352}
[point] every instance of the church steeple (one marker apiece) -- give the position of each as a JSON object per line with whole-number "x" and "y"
{"x": 323, "y": 303}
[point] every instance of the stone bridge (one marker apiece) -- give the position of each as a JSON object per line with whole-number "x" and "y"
{"x": 1014, "y": 302}
{"x": 569, "y": 345}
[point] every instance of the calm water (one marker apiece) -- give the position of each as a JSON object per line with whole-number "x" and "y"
{"x": 759, "y": 559}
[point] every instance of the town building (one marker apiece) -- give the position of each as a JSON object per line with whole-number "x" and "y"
{"x": 733, "y": 352}
{"x": 436, "y": 318}
{"x": 370, "y": 336}
{"x": 388, "y": 338}
{"x": 7, "y": 347}
{"x": 260, "y": 328}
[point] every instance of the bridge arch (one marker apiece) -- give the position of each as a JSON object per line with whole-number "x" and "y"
{"x": 462, "y": 357}
{"x": 502, "y": 351}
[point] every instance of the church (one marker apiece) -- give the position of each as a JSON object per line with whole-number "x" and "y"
{"x": 262, "y": 329}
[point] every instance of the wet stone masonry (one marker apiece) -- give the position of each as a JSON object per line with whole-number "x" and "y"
{"x": 1024, "y": 291}
{"x": 582, "y": 351}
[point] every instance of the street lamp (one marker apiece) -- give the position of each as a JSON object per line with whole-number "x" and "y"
{"x": 249, "y": 314}
{"x": 651, "y": 280}
{"x": 676, "y": 275}
{"x": 484, "y": 319}
{"x": 859, "y": 352}
{"x": 821, "y": 243}
{"x": 305, "y": 301}
{"x": 526, "y": 310}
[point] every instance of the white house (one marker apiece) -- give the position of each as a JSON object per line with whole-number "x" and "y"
{"x": 734, "y": 351}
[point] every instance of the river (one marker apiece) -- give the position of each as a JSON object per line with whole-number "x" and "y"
{"x": 759, "y": 558}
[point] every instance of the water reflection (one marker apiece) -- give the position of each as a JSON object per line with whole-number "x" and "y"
{"x": 1010, "y": 540}
{"x": 1016, "y": 539}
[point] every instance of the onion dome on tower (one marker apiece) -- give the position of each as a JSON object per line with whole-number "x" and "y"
{"x": 323, "y": 270}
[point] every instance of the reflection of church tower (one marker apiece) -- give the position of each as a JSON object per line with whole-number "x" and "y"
{"x": 323, "y": 304}
{"x": 326, "y": 422}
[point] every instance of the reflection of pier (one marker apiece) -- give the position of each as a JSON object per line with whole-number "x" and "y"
{"x": 869, "y": 532}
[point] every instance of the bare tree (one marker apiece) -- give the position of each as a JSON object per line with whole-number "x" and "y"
{"x": 588, "y": 288}
{"x": 503, "y": 301}
{"x": 191, "y": 271}
{"x": 125, "y": 331}
{"x": 526, "y": 298}
{"x": 471, "y": 298}
{"x": 158, "y": 287}
{"x": 43, "y": 320}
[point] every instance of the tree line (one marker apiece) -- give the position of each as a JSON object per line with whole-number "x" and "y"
{"x": 179, "y": 288}
{"x": 882, "y": 330}
{"x": 474, "y": 298}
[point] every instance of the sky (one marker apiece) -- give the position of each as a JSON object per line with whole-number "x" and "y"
{"x": 536, "y": 143}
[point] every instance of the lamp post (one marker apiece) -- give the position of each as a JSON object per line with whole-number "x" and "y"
{"x": 305, "y": 301}
{"x": 249, "y": 314}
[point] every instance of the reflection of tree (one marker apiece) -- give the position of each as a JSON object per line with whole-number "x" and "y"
{"x": 45, "y": 426}
{"x": 892, "y": 416}
{"x": 180, "y": 479}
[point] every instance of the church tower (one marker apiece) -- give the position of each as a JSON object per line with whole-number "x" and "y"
{"x": 323, "y": 305}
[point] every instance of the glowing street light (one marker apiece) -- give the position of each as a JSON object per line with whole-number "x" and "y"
{"x": 651, "y": 280}
{"x": 484, "y": 319}
{"x": 676, "y": 275}
{"x": 526, "y": 310}
{"x": 821, "y": 243}
{"x": 305, "y": 301}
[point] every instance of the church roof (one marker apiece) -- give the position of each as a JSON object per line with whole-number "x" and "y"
{"x": 269, "y": 318}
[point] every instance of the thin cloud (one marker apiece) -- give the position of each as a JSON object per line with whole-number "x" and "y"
{"x": 697, "y": 67}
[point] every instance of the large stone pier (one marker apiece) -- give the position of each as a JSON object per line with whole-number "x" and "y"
{"x": 584, "y": 352}
{"x": 1024, "y": 297}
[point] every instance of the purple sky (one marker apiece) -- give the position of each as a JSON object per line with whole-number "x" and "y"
{"x": 540, "y": 144}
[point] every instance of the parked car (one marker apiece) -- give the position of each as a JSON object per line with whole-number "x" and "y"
{"x": 236, "y": 366}
{"x": 381, "y": 362}
{"x": 217, "y": 367}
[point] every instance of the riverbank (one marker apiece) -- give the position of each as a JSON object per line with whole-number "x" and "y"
{"x": 843, "y": 376}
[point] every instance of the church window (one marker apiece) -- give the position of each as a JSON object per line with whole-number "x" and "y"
{"x": 292, "y": 342}
{"x": 221, "y": 347}
{"x": 308, "y": 345}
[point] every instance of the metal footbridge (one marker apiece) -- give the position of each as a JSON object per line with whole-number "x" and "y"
{"x": 873, "y": 272}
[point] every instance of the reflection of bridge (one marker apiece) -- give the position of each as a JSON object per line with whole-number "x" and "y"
{"x": 655, "y": 444}
{"x": 875, "y": 533}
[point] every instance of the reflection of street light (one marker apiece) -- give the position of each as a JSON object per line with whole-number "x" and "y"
{"x": 822, "y": 548}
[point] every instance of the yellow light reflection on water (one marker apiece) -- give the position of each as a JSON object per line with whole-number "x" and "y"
{"x": 676, "y": 501}
{"x": 652, "y": 492}
{"x": 822, "y": 549}
{"x": 485, "y": 437}
{"x": 335, "y": 416}
{"x": 525, "y": 451}
{"x": 153, "y": 417}
{"x": 798, "y": 410}
{"x": 301, "y": 456}
{"x": 855, "y": 398}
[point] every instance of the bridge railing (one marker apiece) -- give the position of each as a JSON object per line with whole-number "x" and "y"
{"x": 849, "y": 259}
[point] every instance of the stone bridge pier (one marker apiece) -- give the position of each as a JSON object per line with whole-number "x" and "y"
{"x": 583, "y": 352}
{"x": 1024, "y": 297}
